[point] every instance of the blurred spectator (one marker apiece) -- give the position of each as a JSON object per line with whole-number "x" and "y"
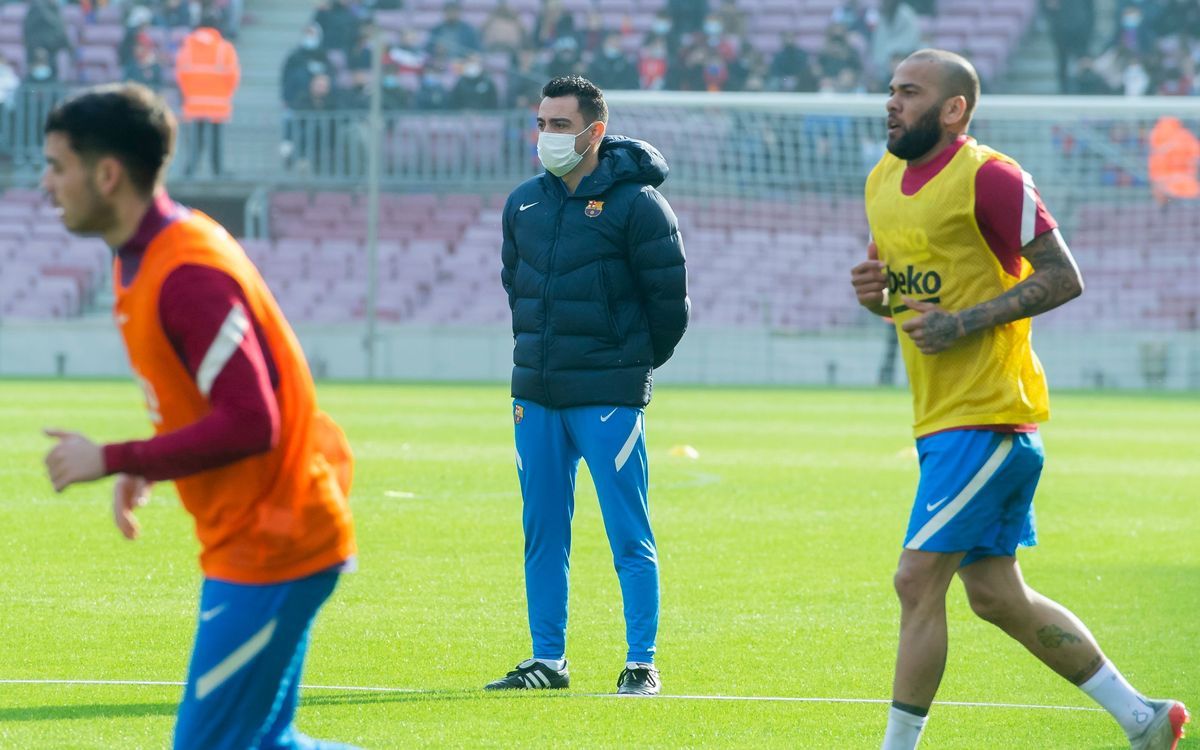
{"x": 652, "y": 64}
{"x": 175, "y": 13}
{"x": 432, "y": 93}
{"x": 717, "y": 38}
{"x": 453, "y": 38}
{"x": 358, "y": 62}
{"x": 144, "y": 68}
{"x": 9, "y": 83}
{"x": 897, "y": 32}
{"x": 339, "y": 25}
{"x": 304, "y": 137}
{"x": 855, "y": 18}
{"x": 662, "y": 27}
{"x": 213, "y": 13}
{"x": 791, "y": 69}
{"x": 1174, "y": 161}
{"x": 1135, "y": 78}
{"x": 41, "y": 68}
{"x": 553, "y": 22}
{"x": 1088, "y": 80}
{"x": 305, "y": 62}
{"x": 137, "y": 33}
{"x": 208, "y": 74}
{"x": 406, "y": 54}
{"x": 1072, "y": 23}
{"x": 687, "y": 15}
{"x": 566, "y": 59}
{"x": 503, "y": 30}
{"x": 612, "y": 68}
{"x": 1174, "y": 73}
{"x": 594, "y": 32}
{"x": 1178, "y": 17}
{"x": 732, "y": 18}
{"x": 526, "y": 78}
{"x": 44, "y": 29}
{"x": 716, "y": 70}
{"x": 320, "y": 96}
{"x": 1135, "y": 25}
{"x": 374, "y": 5}
{"x": 687, "y": 73}
{"x": 474, "y": 89}
{"x": 838, "y": 60}
{"x": 749, "y": 72}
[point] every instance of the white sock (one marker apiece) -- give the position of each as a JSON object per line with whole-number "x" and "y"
{"x": 638, "y": 665}
{"x": 1130, "y": 708}
{"x": 903, "y": 730}
{"x": 555, "y": 664}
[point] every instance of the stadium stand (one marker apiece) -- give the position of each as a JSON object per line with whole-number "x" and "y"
{"x": 755, "y": 261}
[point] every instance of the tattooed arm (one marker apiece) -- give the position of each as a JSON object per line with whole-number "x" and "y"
{"x": 1055, "y": 280}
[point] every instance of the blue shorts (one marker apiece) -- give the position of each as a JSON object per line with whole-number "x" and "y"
{"x": 976, "y": 493}
{"x": 243, "y": 682}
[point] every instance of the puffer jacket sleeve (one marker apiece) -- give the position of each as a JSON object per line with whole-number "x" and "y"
{"x": 657, "y": 260}
{"x": 508, "y": 253}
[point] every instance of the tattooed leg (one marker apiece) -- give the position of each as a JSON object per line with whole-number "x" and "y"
{"x": 1048, "y": 630}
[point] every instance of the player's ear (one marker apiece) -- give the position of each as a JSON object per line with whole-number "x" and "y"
{"x": 107, "y": 174}
{"x": 954, "y": 110}
{"x": 598, "y": 130}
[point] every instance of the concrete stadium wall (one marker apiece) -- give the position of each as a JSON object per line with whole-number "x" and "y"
{"x": 91, "y": 348}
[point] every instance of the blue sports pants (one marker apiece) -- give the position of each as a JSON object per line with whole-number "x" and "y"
{"x": 550, "y": 443}
{"x": 244, "y": 679}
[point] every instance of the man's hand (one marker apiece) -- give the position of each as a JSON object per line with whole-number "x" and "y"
{"x": 870, "y": 282}
{"x": 935, "y": 329}
{"x": 74, "y": 459}
{"x": 129, "y": 494}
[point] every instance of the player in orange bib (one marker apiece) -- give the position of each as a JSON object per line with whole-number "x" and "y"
{"x": 963, "y": 255}
{"x": 262, "y": 470}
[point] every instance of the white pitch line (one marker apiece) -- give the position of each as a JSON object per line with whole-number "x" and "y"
{"x": 748, "y": 698}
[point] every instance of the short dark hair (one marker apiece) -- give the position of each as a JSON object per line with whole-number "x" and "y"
{"x": 126, "y": 121}
{"x": 590, "y": 97}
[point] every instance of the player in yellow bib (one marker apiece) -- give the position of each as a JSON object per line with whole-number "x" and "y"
{"x": 963, "y": 254}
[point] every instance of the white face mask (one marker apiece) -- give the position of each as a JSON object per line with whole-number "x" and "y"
{"x": 557, "y": 151}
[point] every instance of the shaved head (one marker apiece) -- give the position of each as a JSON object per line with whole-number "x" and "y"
{"x": 957, "y": 76}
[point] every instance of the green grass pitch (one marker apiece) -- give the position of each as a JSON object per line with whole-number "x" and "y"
{"x": 777, "y": 547}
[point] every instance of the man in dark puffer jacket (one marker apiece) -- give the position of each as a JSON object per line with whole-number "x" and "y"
{"x": 594, "y": 270}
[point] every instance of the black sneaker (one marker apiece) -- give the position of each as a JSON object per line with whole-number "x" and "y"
{"x": 640, "y": 679}
{"x": 532, "y": 675}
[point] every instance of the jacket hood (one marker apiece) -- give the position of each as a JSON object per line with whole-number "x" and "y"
{"x": 625, "y": 160}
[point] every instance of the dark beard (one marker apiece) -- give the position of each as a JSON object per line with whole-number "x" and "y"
{"x": 920, "y": 138}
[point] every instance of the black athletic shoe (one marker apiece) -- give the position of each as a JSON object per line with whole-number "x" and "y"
{"x": 532, "y": 675}
{"x": 642, "y": 679}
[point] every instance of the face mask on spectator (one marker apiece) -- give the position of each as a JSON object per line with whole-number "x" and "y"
{"x": 311, "y": 42}
{"x": 40, "y": 72}
{"x": 661, "y": 26}
{"x": 472, "y": 70}
{"x": 612, "y": 52}
{"x": 557, "y": 151}
{"x": 713, "y": 28}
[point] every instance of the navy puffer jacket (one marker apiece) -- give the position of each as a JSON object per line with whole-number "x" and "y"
{"x": 595, "y": 281}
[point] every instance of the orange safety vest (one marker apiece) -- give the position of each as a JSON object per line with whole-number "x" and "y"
{"x": 1174, "y": 157}
{"x": 273, "y": 517}
{"x": 207, "y": 71}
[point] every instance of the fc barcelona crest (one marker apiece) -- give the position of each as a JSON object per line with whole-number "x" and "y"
{"x": 593, "y": 209}
{"x": 518, "y": 413}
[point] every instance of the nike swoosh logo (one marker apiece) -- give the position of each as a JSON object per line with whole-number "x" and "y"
{"x": 530, "y": 205}
{"x": 211, "y": 613}
{"x": 606, "y": 417}
{"x": 122, "y": 319}
{"x": 931, "y": 507}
